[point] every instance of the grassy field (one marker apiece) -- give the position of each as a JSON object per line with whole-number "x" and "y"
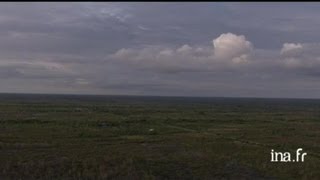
{"x": 156, "y": 138}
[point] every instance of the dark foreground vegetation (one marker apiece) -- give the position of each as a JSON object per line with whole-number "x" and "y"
{"x": 110, "y": 137}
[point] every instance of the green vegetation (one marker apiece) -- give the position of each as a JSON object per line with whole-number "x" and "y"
{"x": 222, "y": 139}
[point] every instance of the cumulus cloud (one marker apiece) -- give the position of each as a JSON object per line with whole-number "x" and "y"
{"x": 231, "y": 46}
{"x": 229, "y": 53}
{"x": 300, "y": 56}
{"x": 184, "y": 49}
{"x": 291, "y": 49}
{"x": 227, "y": 50}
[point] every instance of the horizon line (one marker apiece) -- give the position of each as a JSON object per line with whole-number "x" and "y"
{"x": 164, "y": 96}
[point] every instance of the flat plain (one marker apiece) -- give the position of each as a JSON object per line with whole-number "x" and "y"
{"x": 132, "y": 137}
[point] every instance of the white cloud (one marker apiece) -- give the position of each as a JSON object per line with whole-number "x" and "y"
{"x": 300, "y": 55}
{"x": 291, "y": 49}
{"x": 185, "y": 49}
{"x": 123, "y": 54}
{"x": 228, "y": 50}
{"x": 230, "y": 46}
{"x": 241, "y": 59}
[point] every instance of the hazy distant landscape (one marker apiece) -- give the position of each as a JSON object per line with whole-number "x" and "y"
{"x": 132, "y": 137}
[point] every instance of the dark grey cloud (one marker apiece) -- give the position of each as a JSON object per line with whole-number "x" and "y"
{"x": 200, "y": 49}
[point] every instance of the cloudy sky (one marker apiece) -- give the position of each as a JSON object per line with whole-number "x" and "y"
{"x": 171, "y": 49}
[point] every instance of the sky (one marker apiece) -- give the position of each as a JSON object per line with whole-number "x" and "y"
{"x": 219, "y": 49}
